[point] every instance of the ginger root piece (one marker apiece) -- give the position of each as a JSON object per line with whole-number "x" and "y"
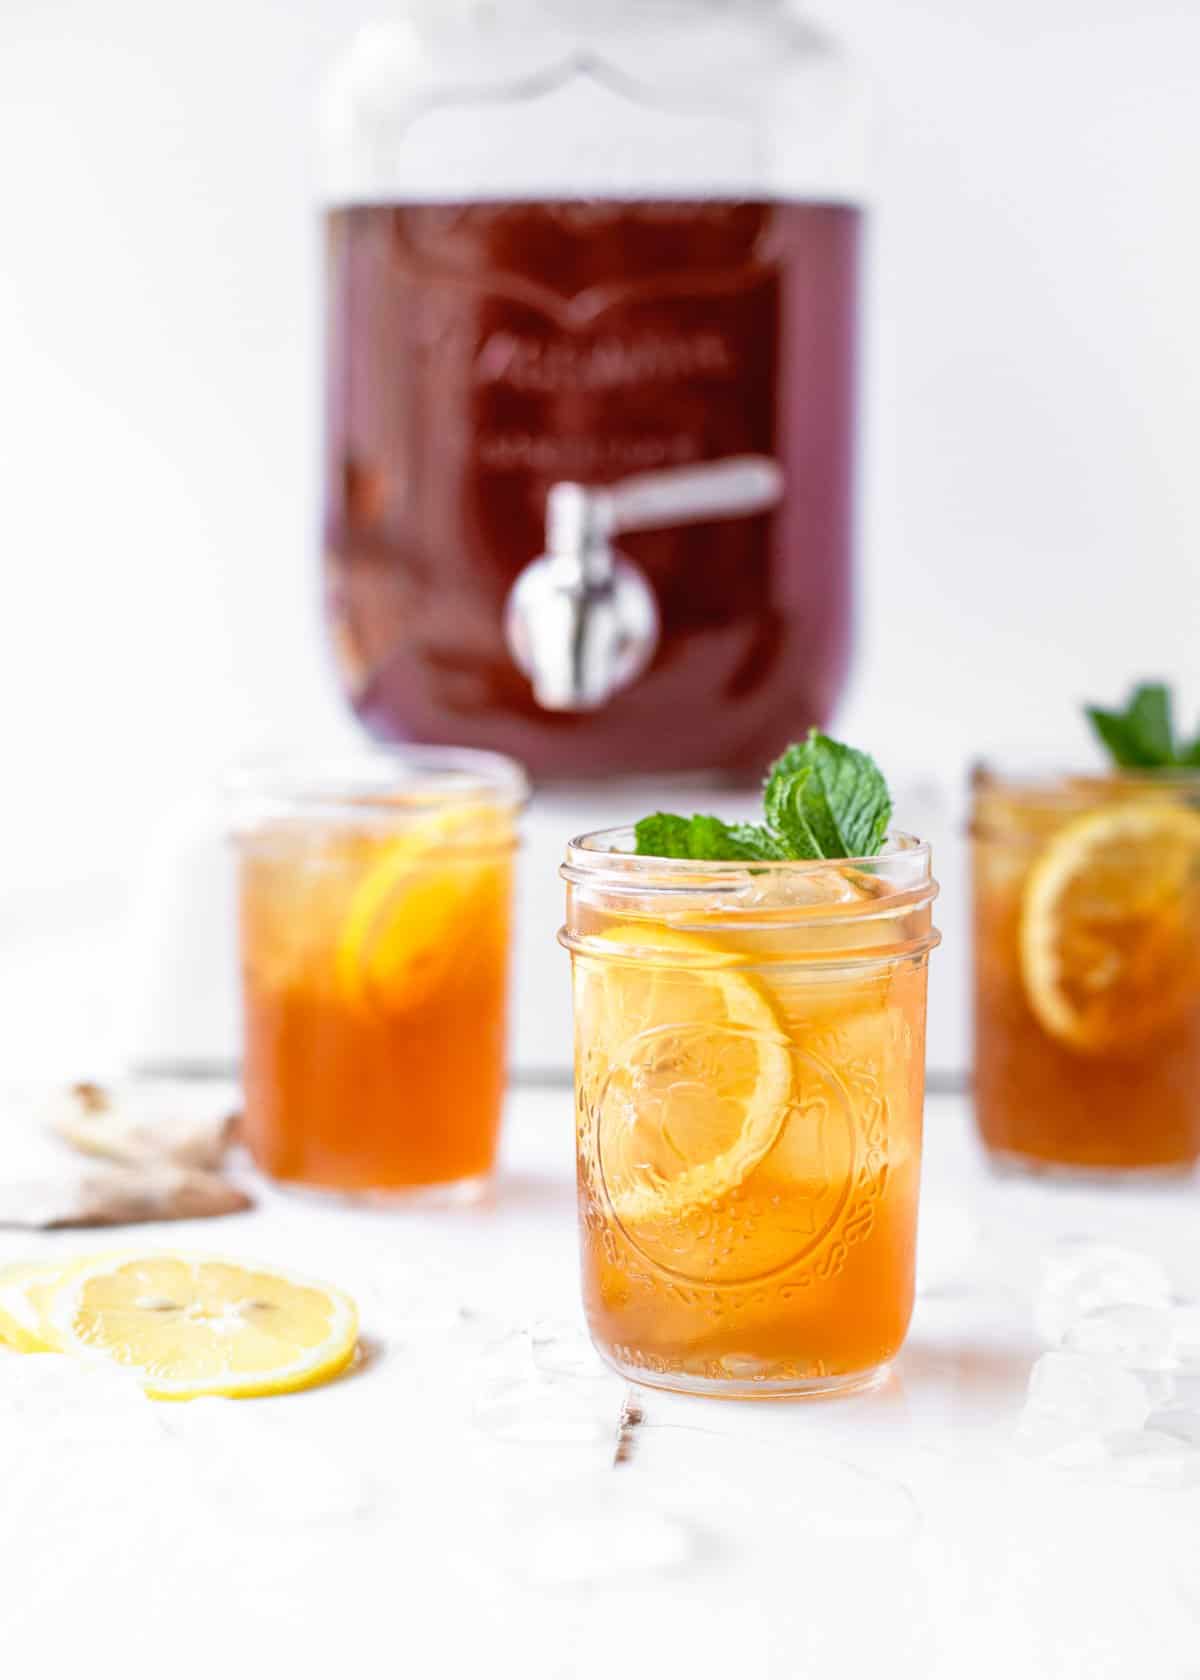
{"x": 138, "y": 1122}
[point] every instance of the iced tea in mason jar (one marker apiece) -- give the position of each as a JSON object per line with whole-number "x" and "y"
{"x": 750, "y": 1049}
{"x": 375, "y": 907}
{"x": 1087, "y": 970}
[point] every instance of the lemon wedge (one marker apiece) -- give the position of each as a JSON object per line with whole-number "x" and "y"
{"x": 411, "y": 914}
{"x": 25, "y": 1288}
{"x": 193, "y": 1325}
{"x": 700, "y": 1073}
{"x": 1110, "y": 926}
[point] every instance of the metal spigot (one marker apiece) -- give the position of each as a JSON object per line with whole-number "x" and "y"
{"x": 581, "y": 621}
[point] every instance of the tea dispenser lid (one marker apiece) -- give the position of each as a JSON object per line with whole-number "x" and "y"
{"x": 463, "y": 99}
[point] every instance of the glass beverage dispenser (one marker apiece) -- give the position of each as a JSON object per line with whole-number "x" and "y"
{"x": 592, "y": 319}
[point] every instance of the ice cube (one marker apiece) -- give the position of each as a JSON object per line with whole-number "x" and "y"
{"x": 597, "y": 1535}
{"x": 1076, "y": 1397}
{"x": 786, "y": 889}
{"x": 560, "y": 1349}
{"x": 1185, "y": 1335}
{"x": 544, "y": 1412}
{"x": 1140, "y": 1337}
{"x": 1153, "y": 1458}
{"x": 54, "y": 1398}
{"x": 1181, "y": 1422}
{"x": 1089, "y": 1277}
{"x": 249, "y": 1467}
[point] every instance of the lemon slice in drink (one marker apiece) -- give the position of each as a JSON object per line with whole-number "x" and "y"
{"x": 194, "y": 1325}
{"x": 25, "y": 1288}
{"x": 410, "y": 915}
{"x": 699, "y": 1074}
{"x": 1110, "y": 926}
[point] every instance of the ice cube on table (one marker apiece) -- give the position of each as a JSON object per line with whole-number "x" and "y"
{"x": 1140, "y": 1337}
{"x": 1075, "y": 1398}
{"x": 541, "y": 1412}
{"x": 249, "y": 1466}
{"x": 1181, "y": 1422}
{"x": 604, "y": 1545}
{"x": 1084, "y": 1278}
{"x": 1153, "y": 1458}
{"x": 593, "y": 1532}
{"x": 1185, "y": 1335}
{"x": 560, "y": 1349}
{"x": 51, "y": 1397}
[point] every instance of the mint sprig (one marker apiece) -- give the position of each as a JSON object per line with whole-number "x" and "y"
{"x": 1142, "y": 737}
{"x": 821, "y": 800}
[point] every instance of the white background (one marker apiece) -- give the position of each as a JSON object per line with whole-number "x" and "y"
{"x": 1031, "y": 499}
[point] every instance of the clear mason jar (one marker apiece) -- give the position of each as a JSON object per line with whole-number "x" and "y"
{"x": 579, "y": 242}
{"x": 750, "y": 1058}
{"x": 375, "y": 907}
{"x": 1086, "y": 894}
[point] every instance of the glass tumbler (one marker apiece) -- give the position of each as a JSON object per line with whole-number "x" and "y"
{"x": 750, "y": 1050}
{"x": 1087, "y": 971}
{"x": 375, "y": 908}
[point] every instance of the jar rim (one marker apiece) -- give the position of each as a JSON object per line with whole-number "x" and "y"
{"x": 371, "y": 782}
{"x": 590, "y": 853}
{"x": 1055, "y": 786}
{"x": 597, "y": 863}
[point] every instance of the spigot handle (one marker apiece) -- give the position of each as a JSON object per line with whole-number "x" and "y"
{"x": 729, "y": 489}
{"x": 581, "y": 620}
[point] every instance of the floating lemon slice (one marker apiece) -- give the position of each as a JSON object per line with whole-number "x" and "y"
{"x": 1110, "y": 926}
{"x": 700, "y": 1074}
{"x": 410, "y": 915}
{"x": 189, "y": 1325}
{"x": 25, "y": 1289}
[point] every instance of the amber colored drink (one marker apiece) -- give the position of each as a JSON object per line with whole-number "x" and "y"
{"x": 375, "y": 935}
{"x": 749, "y": 1083}
{"x": 1087, "y": 971}
{"x": 480, "y": 352}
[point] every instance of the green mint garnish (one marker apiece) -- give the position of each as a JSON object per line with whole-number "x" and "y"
{"x": 1142, "y": 737}
{"x": 821, "y": 800}
{"x": 703, "y": 838}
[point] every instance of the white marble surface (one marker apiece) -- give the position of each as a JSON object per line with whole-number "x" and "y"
{"x": 452, "y": 1507}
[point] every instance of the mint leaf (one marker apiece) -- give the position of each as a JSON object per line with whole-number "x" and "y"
{"x": 1124, "y": 745}
{"x": 797, "y": 808}
{"x": 1149, "y": 716}
{"x": 704, "y": 838}
{"x": 1142, "y": 737}
{"x": 826, "y": 800}
{"x": 757, "y": 841}
{"x": 662, "y": 835}
{"x": 822, "y": 800}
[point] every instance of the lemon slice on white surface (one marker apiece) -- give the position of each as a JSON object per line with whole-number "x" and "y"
{"x": 25, "y": 1288}
{"x": 193, "y": 1325}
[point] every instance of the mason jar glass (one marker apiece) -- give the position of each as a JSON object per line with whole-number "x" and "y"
{"x": 375, "y": 904}
{"x": 1086, "y": 894}
{"x": 750, "y": 1056}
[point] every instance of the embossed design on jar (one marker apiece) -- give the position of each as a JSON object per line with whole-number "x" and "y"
{"x": 717, "y": 1187}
